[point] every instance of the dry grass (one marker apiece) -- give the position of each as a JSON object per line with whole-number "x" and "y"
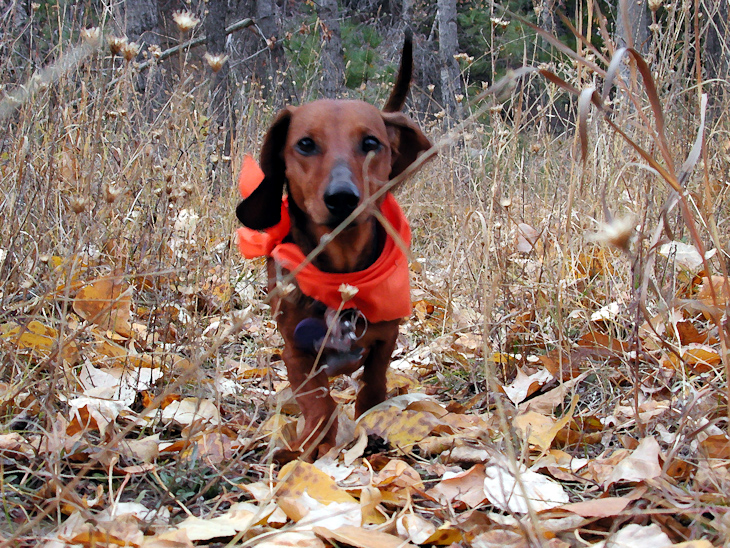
{"x": 95, "y": 186}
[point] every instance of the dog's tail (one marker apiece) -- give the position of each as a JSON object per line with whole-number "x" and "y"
{"x": 403, "y": 81}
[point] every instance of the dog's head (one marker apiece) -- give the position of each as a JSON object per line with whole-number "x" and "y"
{"x": 321, "y": 150}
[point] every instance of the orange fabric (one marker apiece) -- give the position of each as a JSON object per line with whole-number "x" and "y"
{"x": 383, "y": 288}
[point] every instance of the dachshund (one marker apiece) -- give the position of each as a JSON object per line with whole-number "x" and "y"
{"x": 343, "y": 309}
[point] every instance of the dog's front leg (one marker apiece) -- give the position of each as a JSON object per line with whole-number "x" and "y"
{"x": 376, "y": 364}
{"x": 311, "y": 390}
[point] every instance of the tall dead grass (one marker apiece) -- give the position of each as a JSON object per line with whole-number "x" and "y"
{"x": 504, "y": 219}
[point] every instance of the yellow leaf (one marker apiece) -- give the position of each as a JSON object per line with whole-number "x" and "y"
{"x": 104, "y": 304}
{"x": 400, "y": 428}
{"x": 298, "y": 477}
{"x": 34, "y": 336}
{"x": 445, "y": 535}
{"x": 39, "y": 338}
{"x": 541, "y": 429}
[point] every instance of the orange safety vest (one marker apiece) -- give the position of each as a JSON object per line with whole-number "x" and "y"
{"x": 383, "y": 288}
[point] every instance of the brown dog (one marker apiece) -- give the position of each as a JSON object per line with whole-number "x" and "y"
{"x": 319, "y": 152}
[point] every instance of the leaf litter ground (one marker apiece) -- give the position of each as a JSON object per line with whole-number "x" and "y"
{"x": 520, "y": 442}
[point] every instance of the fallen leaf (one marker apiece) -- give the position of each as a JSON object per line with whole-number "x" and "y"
{"x": 189, "y": 410}
{"x": 640, "y": 465}
{"x": 526, "y": 237}
{"x": 685, "y": 255}
{"x": 362, "y": 538}
{"x": 414, "y": 528}
{"x": 524, "y": 385}
{"x": 504, "y": 490}
{"x": 297, "y": 478}
{"x": 540, "y": 429}
{"x": 598, "y": 508}
{"x": 291, "y": 539}
{"x": 466, "y": 486}
{"x": 107, "y": 303}
{"x": 639, "y": 536}
{"x": 402, "y": 429}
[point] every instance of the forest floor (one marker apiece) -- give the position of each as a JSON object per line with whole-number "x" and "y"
{"x": 562, "y": 380}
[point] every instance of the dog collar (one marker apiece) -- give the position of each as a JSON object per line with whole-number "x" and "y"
{"x": 383, "y": 288}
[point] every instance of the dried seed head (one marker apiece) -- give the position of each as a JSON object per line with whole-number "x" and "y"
{"x": 655, "y": 4}
{"x": 130, "y": 50}
{"x": 185, "y": 20}
{"x": 506, "y": 202}
{"x": 92, "y": 36}
{"x": 285, "y": 290}
{"x": 215, "y": 62}
{"x": 619, "y": 232}
{"x": 347, "y": 291}
{"x": 155, "y": 51}
{"x": 78, "y": 204}
{"x": 116, "y": 43}
{"x": 111, "y": 192}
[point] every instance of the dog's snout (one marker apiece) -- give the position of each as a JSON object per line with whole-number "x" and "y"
{"x": 341, "y": 195}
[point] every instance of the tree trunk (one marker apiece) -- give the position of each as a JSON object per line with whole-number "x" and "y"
{"x": 257, "y": 54}
{"x": 716, "y": 58}
{"x": 332, "y": 58}
{"x": 632, "y": 25}
{"x": 271, "y": 63}
{"x": 219, "y": 112}
{"x": 451, "y": 85}
{"x": 717, "y": 43}
{"x": 139, "y": 21}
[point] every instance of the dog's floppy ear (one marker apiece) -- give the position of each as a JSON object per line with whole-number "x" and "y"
{"x": 407, "y": 141}
{"x": 262, "y": 208}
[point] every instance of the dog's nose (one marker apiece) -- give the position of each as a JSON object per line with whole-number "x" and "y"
{"x": 341, "y": 196}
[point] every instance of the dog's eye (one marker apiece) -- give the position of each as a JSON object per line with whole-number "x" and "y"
{"x": 306, "y": 146}
{"x": 369, "y": 144}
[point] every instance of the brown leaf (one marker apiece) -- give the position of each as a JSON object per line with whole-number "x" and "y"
{"x": 716, "y": 447}
{"x": 106, "y": 302}
{"x": 362, "y": 538}
{"x": 598, "y": 508}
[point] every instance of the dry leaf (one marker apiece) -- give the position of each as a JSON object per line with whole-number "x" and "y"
{"x": 291, "y": 539}
{"x": 640, "y": 465}
{"x": 189, "y": 410}
{"x": 639, "y": 536}
{"x": 466, "y": 486}
{"x": 504, "y": 490}
{"x": 239, "y": 517}
{"x": 526, "y": 237}
{"x": 541, "y": 430}
{"x": 107, "y": 303}
{"x": 414, "y": 528}
{"x": 362, "y": 538}
{"x": 402, "y": 429}
{"x": 524, "y": 385}
{"x": 598, "y": 508}
{"x": 685, "y": 255}
{"x": 298, "y": 477}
